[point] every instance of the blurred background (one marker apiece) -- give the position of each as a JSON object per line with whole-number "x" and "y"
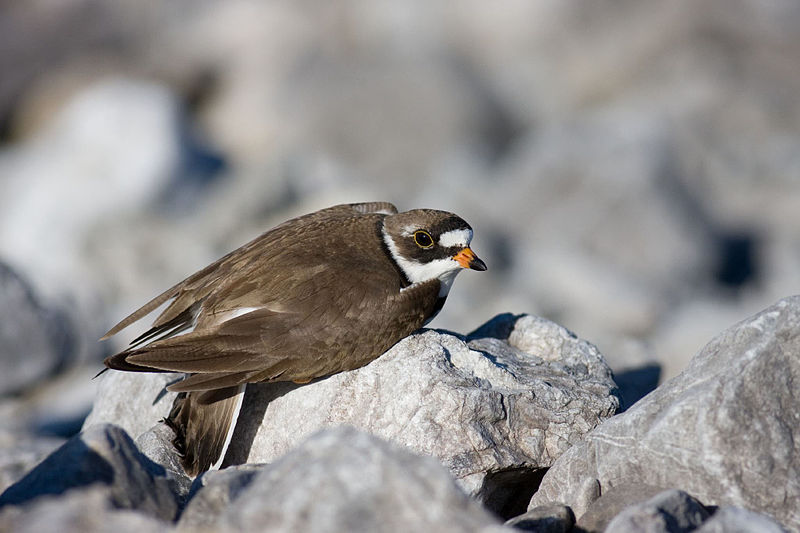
{"x": 631, "y": 169}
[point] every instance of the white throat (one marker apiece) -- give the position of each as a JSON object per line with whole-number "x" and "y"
{"x": 443, "y": 269}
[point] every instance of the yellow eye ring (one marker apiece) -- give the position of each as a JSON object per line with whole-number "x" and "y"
{"x": 423, "y": 239}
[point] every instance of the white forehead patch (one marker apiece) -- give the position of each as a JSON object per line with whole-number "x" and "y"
{"x": 408, "y": 231}
{"x": 456, "y": 237}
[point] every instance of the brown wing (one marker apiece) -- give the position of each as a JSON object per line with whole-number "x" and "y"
{"x": 189, "y": 294}
{"x": 268, "y": 346}
{"x": 321, "y": 309}
{"x": 264, "y": 346}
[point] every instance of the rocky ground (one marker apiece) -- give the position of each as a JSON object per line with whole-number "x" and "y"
{"x": 631, "y": 172}
{"x": 515, "y": 422}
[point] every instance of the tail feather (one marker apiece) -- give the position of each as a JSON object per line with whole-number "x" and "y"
{"x": 204, "y": 429}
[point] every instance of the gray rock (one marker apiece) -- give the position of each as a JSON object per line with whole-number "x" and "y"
{"x": 730, "y": 519}
{"x": 602, "y": 508}
{"x": 84, "y": 511}
{"x": 480, "y": 405}
{"x": 131, "y": 400}
{"x": 101, "y": 455}
{"x": 545, "y": 519}
{"x": 156, "y": 445}
{"x": 19, "y": 453}
{"x": 495, "y": 407}
{"x": 43, "y": 175}
{"x": 35, "y": 341}
{"x": 345, "y": 480}
{"x": 213, "y": 491}
{"x": 672, "y": 511}
{"x": 723, "y": 430}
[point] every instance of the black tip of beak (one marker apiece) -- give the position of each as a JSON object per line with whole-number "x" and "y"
{"x": 477, "y": 264}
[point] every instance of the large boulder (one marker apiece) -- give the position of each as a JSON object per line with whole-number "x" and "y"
{"x": 671, "y": 511}
{"x": 345, "y": 480}
{"x": 511, "y": 397}
{"x": 132, "y": 400}
{"x": 101, "y": 456}
{"x": 84, "y": 511}
{"x": 495, "y": 407}
{"x": 725, "y": 430}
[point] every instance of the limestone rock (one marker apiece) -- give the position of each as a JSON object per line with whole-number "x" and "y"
{"x": 110, "y": 149}
{"x": 102, "y": 455}
{"x": 156, "y": 445}
{"x": 34, "y": 341}
{"x": 84, "y": 511}
{"x": 19, "y": 453}
{"x": 213, "y": 491}
{"x": 724, "y": 430}
{"x": 131, "y": 400}
{"x": 730, "y": 519}
{"x": 345, "y": 480}
{"x": 545, "y": 519}
{"x": 505, "y": 401}
{"x": 671, "y": 511}
{"x": 495, "y": 407}
{"x": 601, "y": 510}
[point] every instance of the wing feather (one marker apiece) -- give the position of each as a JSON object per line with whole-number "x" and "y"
{"x": 191, "y": 292}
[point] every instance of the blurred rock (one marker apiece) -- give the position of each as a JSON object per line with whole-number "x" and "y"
{"x": 614, "y": 159}
{"x": 55, "y": 406}
{"x": 635, "y": 383}
{"x": 602, "y": 508}
{"x": 671, "y": 511}
{"x": 83, "y": 511}
{"x": 729, "y": 519}
{"x": 102, "y": 455}
{"x": 344, "y": 480}
{"x": 20, "y": 452}
{"x": 696, "y": 431}
{"x": 212, "y": 493}
{"x": 544, "y": 519}
{"x": 35, "y": 342}
{"x": 109, "y": 151}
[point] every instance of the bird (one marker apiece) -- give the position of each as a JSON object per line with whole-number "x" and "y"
{"x": 323, "y": 293}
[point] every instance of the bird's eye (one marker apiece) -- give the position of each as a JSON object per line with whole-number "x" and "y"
{"x": 423, "y": 239}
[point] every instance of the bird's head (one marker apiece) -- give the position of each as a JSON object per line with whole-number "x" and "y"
{"x": 428, "y": 244}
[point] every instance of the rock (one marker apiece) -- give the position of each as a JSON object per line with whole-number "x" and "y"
{"x": 56, "y": 406}
{"x": 156, "y": 445}
{"x": 213, "y": 491}
{"x": 19, "y": 453}
{"x": 101, "y": 455}
{"x": 345, "y": 480}
{"x": 493, "y": 410}
{"x": 35, "y": 341}
{"x": 545, "y": 519}
{"x": 671, "y": 511}
{"x": 602, "y": 508}
{"x": 84, "y": 511}
{"x": 495, "y": 407}
{"x": 131, "y": 400}
{"x": 93, "y": 169}
{"x": 723, "y": 430}
{"x": 730, "y": 519}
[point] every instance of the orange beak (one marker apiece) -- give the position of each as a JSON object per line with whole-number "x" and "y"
{"x": 467, "y": 259}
